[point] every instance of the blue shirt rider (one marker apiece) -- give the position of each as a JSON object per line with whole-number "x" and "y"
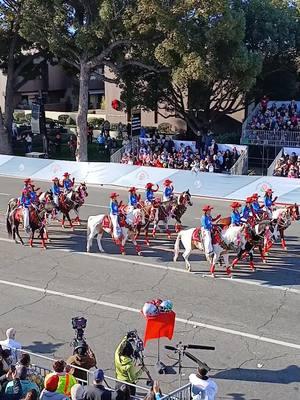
{"x": 255, "y": 204}
{"x": 246, "y": 210}
{"x": 33, "y": 195}
{"x": 56, "y": 188}
{"x": 235, "y": 215}
{"x": 25, "y": 199}
{"x": 114, "y": 206}
{"x": 133, "y": 198}
{"x": 150, "y": 192}
{"x": 168, "y": 190}
{"x": 206, "y": 222}
{"x": 268, "y": 200}
{"x": 67, "y": 182}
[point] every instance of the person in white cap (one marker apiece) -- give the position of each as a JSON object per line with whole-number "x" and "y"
{"x": 12, "y": 344}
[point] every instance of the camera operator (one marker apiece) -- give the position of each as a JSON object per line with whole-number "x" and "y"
{"x": 82, "y": 357}
{"x": 126, "y": 366}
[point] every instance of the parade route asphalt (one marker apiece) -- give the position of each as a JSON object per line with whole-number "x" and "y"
{"x": 252, "y": 320}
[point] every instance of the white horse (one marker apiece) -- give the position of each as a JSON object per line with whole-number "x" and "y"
{"x": 232, "y": 237}
{"x": 99, "y": 224}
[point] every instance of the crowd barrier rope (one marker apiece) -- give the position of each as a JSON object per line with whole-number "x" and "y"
{"x": 219, "y": 186}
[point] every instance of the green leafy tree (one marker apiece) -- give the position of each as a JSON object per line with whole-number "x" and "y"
{"x": 19, "y": 60}
{"x": 90, "y": 35}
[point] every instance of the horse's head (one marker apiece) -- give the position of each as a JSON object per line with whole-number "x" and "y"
{"x": 294, "y": 212}
{"x": 185, "y": 198}
{"x": 82, "y": 190}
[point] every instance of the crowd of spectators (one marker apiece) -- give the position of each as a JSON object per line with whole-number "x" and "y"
{"x": 271, "y": 117}
{"x": 288, "y": 166}
{"x": 20, "y": 380}
{"x": 160, "y": 151}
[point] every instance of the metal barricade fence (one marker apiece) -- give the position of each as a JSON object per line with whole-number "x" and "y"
{"x": 278, "y": 138}
{"x": 241, "y": 165}
{"x": 183, "y": 393}
{"x": 117, "y": 156}
{"x": 272, "y": 166}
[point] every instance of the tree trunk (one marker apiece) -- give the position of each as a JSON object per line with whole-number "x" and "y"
{"x": 81, "y": 151}
{"x": 9, "y": 115}
{"x": 5, "y": 145}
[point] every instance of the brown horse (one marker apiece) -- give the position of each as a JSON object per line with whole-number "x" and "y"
{"x": 36, "y": 223}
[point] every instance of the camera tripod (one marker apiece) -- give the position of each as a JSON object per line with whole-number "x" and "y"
{"x": 180, "y": 349}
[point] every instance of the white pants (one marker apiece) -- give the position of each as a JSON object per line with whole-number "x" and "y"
{"x": 206, "y": 237}
{"x": 268, "y": 211}
{"x": 56, "y": 199}
{"x": 116, "y": 226}
{"x": 26, "y": 218}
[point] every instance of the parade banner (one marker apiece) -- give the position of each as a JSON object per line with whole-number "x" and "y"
{"x": 219, "y": 186}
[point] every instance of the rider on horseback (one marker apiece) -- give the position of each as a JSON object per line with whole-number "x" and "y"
{"x": 25, "y": 203}
{"x": 256, "y": 207}
{"x": 134, "y": 198}
{"x": 235, "y": 215}
{"x": 68, "y": 184}
{"x": 269, "y": 202}
{"x": 246, "y": 210}
{"x": 33, "y": 195}
{"x": 114, "y": 214}
{"x": 168, "y": 193}
{"x": 56, "y": 191}
{"x": 27, "y": 183}
{"x": 150, "y": 193}
{"x": 207, "y": 227}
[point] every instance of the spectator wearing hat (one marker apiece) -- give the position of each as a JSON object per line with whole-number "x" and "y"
{"x": 98, "y": 392}
{"x": 11, "y": 343}
{"x": 50, "y": 390}
{"x": 134, "y": 198}
{"x": 26, "y": 385}
{"x": 66, "y": 380}
{"x": 83, "y": 357}
{"x": 168, "y": 193}
{"x": 203, "y": 387}
{"x": 235, "y": 215}
{"x": 206, "y": 228}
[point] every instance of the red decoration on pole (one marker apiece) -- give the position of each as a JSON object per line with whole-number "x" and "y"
{"x": 116, "y": 105}
{"x": 161, "y": 325}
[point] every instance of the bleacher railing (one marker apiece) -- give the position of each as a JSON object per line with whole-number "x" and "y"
{"x": 117, "y": 156}
{"x": 41, "y": 365}
{"x": 278, "y": 138}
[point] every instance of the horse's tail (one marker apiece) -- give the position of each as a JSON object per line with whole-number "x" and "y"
{"x": 8, "y": 223}
{"x": 176, "y": 246}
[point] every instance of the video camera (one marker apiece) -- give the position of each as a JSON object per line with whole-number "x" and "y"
{"x": 137, "y": 345}
{"x": 79, "y": 325}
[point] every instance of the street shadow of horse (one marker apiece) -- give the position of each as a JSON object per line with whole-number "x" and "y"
{"x": 287, "y": 375}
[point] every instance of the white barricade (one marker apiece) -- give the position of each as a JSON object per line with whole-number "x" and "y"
{"x": 204, "y": 184}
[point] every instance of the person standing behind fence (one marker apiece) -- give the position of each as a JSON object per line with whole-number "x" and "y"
{"x": 50, "y": 390}
{"x": 12, "y": 344}
{"x": 66, "y": 380}
{"x": 83, "y": 357}
{"x": 97, "y": 391}
{"x": 203, "y": 387}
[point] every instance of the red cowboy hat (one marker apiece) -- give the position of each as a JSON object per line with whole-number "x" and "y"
{"x": 132, "y": 189}
{"x": 167, "y": 182}
{"x": 149, "y": 185}
{"x": 114, "y": 194}
{"x": 27, "y": 180}
{"x": 255, "y": 196}
{"x": 269, "y": 191}
{"x": 66, "y": 174}
{"x": 55, "y": 179}
{"x": 235, "y": 204}
{"x": 249, "y": 200}
{"x": 207, "y": 208}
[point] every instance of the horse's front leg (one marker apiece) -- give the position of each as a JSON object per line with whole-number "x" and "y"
{"x": 283, "y": 242}
{"x": 42, "y": 232}
{"x": 31, "y": 237}
{"x": 136, "y": 245}
{"x": 70, "y": 221}
{"x": 227, "y": 265}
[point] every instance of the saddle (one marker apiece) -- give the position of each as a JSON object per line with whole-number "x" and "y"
{"x": 216, "y": 237}
{"x": 106, "y": 222}
{"x": 196, "y": 237}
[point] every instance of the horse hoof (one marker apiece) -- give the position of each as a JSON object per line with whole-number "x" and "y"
{"x": 175, "y": 259}
{"x": 213, "y": 275}
{"x": 123, "y": 253}
{"x": 264, "y": 261}
{"x": 139, "y": 253}
{"x": 285, "y": 248}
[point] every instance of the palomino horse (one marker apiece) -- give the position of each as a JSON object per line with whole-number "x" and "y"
{"x": 223, "y": 240}
{"x": 36, "y": 223}
{"x": 99, "y": 224}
